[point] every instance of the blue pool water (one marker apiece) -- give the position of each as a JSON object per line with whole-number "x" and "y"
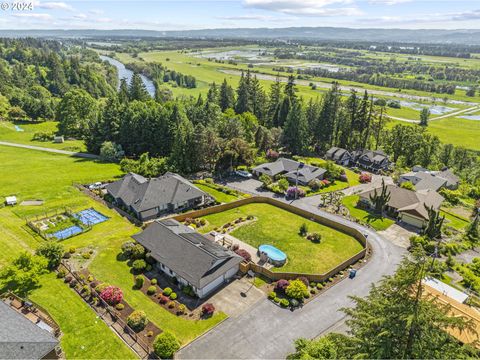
{"x": 65, "y": 233}
{"x": 18, "y": 128}
{"x": 273, "y": 253}
{"x": 90, "y": 217}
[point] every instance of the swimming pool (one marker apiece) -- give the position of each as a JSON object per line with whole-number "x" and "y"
{"x": 66, "y": 233}
{"x": 18, "y": 128}
{"x": 276, "y": 256}
{"x": 90, "y": 217}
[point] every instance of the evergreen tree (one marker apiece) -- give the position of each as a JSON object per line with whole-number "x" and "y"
{"x": 379, "y": 200}
{"x": 243, "y": 94}
{"x": 327, "y": 122}
{"x": 274, "y": 103}
{"x": 123, "y": 93}
{"x": 212, "y": 95}
{"x": 257, "y": 100}
{"x": 226, "y": 97}
{"x": 291, "y": 89}
{"x": 434, "y": 225}
{"x": 182, "y": 157}
{"x": 424, "y": 115}
{"x": 137, "y": 89}
{"x": 295, "y": 133}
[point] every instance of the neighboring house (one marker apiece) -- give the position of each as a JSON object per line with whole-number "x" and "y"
{"x": 339, "y": 156}
{"x": 446, "y": 295}
{"x": 406, "y": 205}
{"x": 292, "y": 170}
{"x": 371, "y": 160}
{"x": 11, "y": 200}
{"x": 21, "y": 338}
{"x": 150, "y": 198}
{"x": 183, "y": 253}
{"x": 424, "y": 179}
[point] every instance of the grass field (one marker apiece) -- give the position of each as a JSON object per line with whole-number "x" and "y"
{"x": 376, "y": 222}
{"x": 452, "y": 130}
{"x": 9, "y": 133}
{"x": 453, "y": 220}
{"x": 38, "y": 175}
{"x": 84, "y": 335}
{"x": 280, "y": 228}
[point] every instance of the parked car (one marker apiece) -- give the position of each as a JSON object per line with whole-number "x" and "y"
{"x": 243, "y": 173}
{"x": 95, "y": 186}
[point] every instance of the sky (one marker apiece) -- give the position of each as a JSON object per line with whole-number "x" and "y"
{"x": 195, "y": 14}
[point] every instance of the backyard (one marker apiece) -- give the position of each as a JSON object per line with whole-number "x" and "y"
{"x": 280, "y": 228}
{"x": 378, "y": 223}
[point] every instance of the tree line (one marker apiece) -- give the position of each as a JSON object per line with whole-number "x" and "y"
{"x": 231, "y": 127}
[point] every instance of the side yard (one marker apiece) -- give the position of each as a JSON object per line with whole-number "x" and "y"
{"x": 374, "y": 221}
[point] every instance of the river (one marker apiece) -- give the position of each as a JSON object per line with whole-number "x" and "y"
{"x": 124, "y": 73}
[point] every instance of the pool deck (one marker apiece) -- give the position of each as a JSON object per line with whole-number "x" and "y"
{"x": 251, "y": 250}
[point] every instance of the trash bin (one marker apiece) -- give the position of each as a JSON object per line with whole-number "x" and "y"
{"x": 352, "y": 274}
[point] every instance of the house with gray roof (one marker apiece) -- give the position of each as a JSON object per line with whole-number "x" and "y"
{"x": 339, "y": 156}
{"x": 424, "y": 179}
{"x": 187, "y": 255}
{"x": 151, "y": 198}
{"x": 406, "y": 205}
{"x": 291, "y": 169}
{"x": 371, "y": 160}
{"x": 21, "y": 338}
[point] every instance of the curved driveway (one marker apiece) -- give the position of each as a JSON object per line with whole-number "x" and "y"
{"x": 266, "y": 331}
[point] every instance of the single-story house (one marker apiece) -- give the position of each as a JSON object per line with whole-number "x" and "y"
{"x": 371, "y": 160}
{"x": 21, "y": 338}
{"x": 187, "y": 255}
{"x": 424, "y": 179}
{"x": 11, "y": 200}
{"x": 406, "y": 205}
{"x": 339, "y": 156}
{"x": 292, "y": 170}
{"x": 151, "y": 198}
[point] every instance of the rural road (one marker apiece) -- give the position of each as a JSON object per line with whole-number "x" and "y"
{"x": 437, "y": 117}
{"x": 56, "y": 151}
{"x": 326, "y": 85}
{"x": 266, "y": 331}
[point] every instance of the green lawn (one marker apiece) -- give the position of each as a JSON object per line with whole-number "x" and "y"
{"x": 279, "y": 227}
{"x": 453, "y": 220}
{"x": 84, "y": 335}
{"x": 376, "y": 222}
{"x": 8, "y": 133}
{"x": 217, "y": 194}
{"x": 34, "y": 174}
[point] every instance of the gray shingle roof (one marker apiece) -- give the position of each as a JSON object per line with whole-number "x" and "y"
{"x": 336, "y": 153}
{"x": 144, "y": 194}
{"x": 289, "y": 168}
{"x": 186, "y": 252}
{"x": 22, "y": 339}
{"x": 407, "y": 200}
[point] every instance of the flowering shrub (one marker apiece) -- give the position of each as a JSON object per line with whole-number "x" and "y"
{"x": 244, "y": 253}
{"x": 292, "y": 190}
{"x": 272, "y": 154}
{"x": 326, "y": 182}
{"x": 365, "y": 177}
{"x": 282, "y": 284}
{"x": 164, "y": 299}
{"x": 304, "y": 280}
{"x": 208, "y": 309}
{"x": 112, "y": 295}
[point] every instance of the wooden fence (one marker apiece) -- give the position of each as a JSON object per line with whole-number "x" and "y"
{"x": 274, "y": 276}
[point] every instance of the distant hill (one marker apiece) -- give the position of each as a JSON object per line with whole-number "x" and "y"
{"x": 292, "y": 33}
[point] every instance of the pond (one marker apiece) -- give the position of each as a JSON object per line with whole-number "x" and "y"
{"x": 124, "y": 73}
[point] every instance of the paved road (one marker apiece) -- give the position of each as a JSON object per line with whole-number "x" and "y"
{"x": 267, "y": 331}
{"x": 57, "y": 151}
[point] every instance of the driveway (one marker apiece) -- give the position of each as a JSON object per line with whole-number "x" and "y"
{"x": 237, "y": 297}
{"x": 267, "y": 331}
{"x": 399, "y": 234}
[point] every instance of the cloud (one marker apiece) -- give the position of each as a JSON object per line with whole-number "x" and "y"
{"x": 305, "y": 7}
{"x": 467, "y": 15}
{"x": 53, "y": 6}
{"x": 248, "y": 17}
{"x": 389, "y": 2}
{"x": 37, "y": 16}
